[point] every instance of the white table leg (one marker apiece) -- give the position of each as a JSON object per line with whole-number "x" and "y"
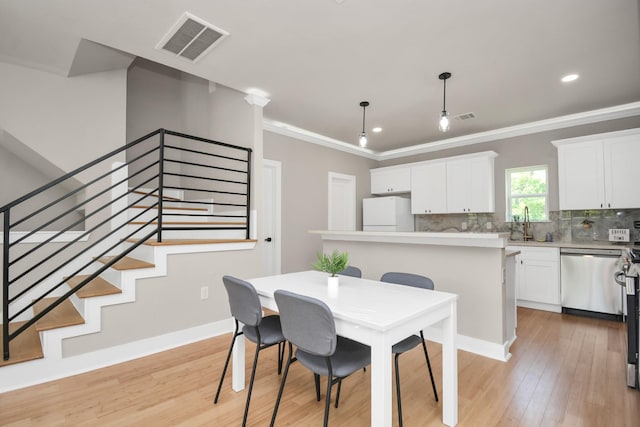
{"x": 237, "y": 365}
{"x": 450, "y": 368}
{"x": 381, "y": 394}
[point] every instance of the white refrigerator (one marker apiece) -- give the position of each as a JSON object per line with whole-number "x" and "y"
{"x": 390, "y": 213}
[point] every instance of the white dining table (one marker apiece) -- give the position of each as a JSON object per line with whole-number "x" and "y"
{"x": 377, "y": 314}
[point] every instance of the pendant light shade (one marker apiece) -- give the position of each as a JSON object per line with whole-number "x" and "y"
{"x": 444, "y": 116}
{"x": 363, "y": 136}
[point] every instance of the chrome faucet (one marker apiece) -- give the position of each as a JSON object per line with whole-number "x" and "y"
{"x": 526, "y": 226}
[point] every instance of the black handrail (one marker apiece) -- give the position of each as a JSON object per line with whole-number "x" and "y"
{"x": 30, "y": 276}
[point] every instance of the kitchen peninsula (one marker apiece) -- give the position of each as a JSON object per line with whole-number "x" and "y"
{"x": 476, "y": 266}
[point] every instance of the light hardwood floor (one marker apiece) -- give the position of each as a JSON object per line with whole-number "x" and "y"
{"x": 565, "y": 371}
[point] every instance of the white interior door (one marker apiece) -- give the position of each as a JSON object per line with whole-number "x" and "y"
{"x": 271, "y": 231}
{"x": 342, "y": 202}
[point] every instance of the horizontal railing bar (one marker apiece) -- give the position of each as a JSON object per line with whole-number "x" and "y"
{"x": 59, "y": 301}
{"x": 197, "y": 138}
{"x": 77, "y": 171}
{"x": 201, "y": 228}
{"x": 204, "y": 178}
{"x": 202, "y": 190}
{"x": 183, "y": 162}
{"x": 95, "y": 196}
{"x": 81, "y": 268}
{"x": 204, "y": 153}
{"x": 42, "y": 278}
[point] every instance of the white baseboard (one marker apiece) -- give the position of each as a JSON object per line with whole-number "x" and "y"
{"x": 474, "y": 345}
{"x": 43, "y": 370}
{"x": 540, "y": 306}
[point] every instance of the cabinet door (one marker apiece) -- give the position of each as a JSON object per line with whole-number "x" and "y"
{"x": 429, "y": 188}
{"x": 621, "y": 160}
{"x": 581, "y": 176}
{"x": 539, "y": 281}
{"x": 458, "y": 186}
{"x": 391, "y": 181}
{"x": 470, "y": 185}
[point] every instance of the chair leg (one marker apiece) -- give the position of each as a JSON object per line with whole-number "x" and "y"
{"x": 316, "y": 379}
{"x": 426, "y": 356}
{"x": 284, "y": 379}
{"x": 327, "y": 404}
{"x": 281, "y": 346}
{"x": 338, "y": 392}
{"x": 253, "y": 375}
{"x": 398, "y": 397}
{"x": 226, "y": 363}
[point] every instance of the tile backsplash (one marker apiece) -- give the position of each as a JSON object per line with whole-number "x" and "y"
{"x": 564, "y": 226}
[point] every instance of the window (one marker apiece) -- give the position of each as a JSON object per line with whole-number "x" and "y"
{"x": 527, "y": 187}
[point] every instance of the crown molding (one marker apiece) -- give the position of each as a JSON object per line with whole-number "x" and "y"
{"x": 587, "y": 117}
{"x": 315, "y": 138}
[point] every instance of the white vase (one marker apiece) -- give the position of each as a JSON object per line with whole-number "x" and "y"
{"x": 332, "y": 286}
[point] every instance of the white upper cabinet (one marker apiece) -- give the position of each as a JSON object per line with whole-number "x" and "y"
{"x": 470, "y": 185}
{"x": 429, "y": 188}
{"x": 598, "y": 171}
{"x": 390, "y": 180}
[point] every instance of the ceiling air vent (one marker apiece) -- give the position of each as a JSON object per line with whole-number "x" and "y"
{"x": 465, "y": 116}
{"x": 191, "y": 38}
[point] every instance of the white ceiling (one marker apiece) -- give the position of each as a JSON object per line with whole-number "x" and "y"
{"x": 317, "y": 59}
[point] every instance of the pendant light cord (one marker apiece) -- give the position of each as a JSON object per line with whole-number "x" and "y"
{"x": 364, "y": 111}
{"x": 444, "y": 96}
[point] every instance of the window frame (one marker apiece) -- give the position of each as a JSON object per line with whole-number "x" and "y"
{"x": 509, "y": 196}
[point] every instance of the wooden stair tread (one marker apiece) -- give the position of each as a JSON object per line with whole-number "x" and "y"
{"x": 95, "y": 288}
{"x": 63, "y": 315}
{"x": 189, "y": 223}
{"x": 171, "y": 242}
{"x": 177, "y": 208}
{"x": 126, "y": 263}
{"x": 24, "y": 347}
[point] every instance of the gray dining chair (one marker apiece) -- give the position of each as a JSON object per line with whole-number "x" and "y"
{"x": 308, "y": 324}
{"x": 351, "y": 271}
{"x": 412, "y": 341}
{"x": 263, "y": 331}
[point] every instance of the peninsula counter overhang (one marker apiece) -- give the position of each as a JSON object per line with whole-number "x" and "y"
{"x": 478, "y": 240}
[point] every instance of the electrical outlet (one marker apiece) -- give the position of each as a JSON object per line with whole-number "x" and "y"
{"x": 489, "y": 225}
{"x": 463, "y": 226}
{"x": 204, "y": 292}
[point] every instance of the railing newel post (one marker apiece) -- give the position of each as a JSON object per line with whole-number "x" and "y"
{"x": 160, "y": 185}
{"x": 5, "y": 285}
{"x": 248, "y": 234}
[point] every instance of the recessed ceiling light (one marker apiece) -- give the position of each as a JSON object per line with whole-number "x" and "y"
{"x": 376, "y": 130}
{"x": 570, "y": 78}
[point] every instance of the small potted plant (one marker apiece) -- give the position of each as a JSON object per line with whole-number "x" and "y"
{"x": 332, "y": 264}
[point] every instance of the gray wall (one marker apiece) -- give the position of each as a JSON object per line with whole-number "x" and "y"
{"x": 68, "y": 121}
{"x": 526, "y": 150}
{"x": 305, "y": 169}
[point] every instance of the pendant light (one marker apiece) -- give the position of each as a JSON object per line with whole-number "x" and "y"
{"x": 444, "y": 116}
{"x": 363, "y": 135}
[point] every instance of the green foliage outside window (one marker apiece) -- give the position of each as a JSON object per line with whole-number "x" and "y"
{"x": 527, "y": 187}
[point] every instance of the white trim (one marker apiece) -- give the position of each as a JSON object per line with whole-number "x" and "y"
{"x": 540, "y": 306}
{"x": 41, "y": 236}
{"x": 587, "y": 117}
{"x": 474, "y": 345}
{"x": 253, "y": 99}
{"x": 315, "y": 138}
{"x": 43, "y": 370}
{"x": 596, "y": 137}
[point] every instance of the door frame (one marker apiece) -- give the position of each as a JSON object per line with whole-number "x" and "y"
{"x": 276, "y": 213}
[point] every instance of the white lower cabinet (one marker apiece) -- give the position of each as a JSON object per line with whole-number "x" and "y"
{"x": 538, "y": 278}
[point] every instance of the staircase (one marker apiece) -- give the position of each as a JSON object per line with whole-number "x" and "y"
{"x": 144, "y": 227}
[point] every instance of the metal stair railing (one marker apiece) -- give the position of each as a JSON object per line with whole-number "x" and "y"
{"x": 159, "y": 163}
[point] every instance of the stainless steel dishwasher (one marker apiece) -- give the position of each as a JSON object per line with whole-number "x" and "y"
{"x": 587, "y": 283}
